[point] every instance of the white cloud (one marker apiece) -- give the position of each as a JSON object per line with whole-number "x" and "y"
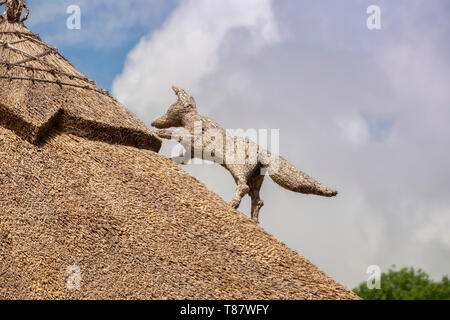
{"x": 187, "y": 48}
{"x": 435, "y": 228}
{"x": 354, "y": 129}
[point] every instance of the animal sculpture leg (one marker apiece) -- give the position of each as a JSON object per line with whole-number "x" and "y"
{"x": 241, "y": 190}
{"x": 185, "y": 140}
{"x": 255, "y": 186}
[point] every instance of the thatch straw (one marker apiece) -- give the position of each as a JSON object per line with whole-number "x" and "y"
{"x": 137, "y": 225}
{"x": 40, "y": 89}
{"x": 90, "y": 194}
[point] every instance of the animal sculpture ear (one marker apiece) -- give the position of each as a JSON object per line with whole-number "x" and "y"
{"x": 176, "y": 90}
{"x": 184, "y": 98}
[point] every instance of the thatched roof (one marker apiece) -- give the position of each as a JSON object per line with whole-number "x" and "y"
{"x": 40, "y": 89}
{"x": 94, "y": 194}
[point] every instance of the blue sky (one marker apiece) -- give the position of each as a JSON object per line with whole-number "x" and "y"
{"x": 99, "y": 53}
{"x": 366, "y": 112}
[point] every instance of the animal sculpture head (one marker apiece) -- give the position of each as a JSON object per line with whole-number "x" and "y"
{"x": 174, "y": 116}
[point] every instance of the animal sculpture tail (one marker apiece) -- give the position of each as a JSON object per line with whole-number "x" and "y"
{"x": 289, "y": 177}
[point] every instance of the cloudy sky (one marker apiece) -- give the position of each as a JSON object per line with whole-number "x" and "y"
{"x": 364, "y": 111}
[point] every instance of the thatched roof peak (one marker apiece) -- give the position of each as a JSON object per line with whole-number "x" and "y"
{"x": 14, "y": 10}
{"x": 40, "y": 90}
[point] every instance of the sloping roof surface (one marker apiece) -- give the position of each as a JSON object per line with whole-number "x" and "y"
{"x": 137, "y": 226}
{"x": 40, "y": 90}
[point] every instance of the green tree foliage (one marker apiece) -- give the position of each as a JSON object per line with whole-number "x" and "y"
{"x": 406, "y": 284}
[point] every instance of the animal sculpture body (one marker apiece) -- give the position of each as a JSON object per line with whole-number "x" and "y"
{"x": 225, "y": 149}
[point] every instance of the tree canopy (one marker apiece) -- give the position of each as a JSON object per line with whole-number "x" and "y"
{"x": 406, "y": 284}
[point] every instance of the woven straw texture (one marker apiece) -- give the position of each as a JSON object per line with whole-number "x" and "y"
{"x": 40, "y": 89}
{"x": 137, "y": 225}
{"x": 81, "y": 184}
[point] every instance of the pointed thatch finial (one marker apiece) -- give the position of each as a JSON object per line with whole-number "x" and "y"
{"x": 14, "y": 10}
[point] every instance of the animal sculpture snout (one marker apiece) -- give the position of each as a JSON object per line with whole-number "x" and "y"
{"x": 161, "y": 123}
